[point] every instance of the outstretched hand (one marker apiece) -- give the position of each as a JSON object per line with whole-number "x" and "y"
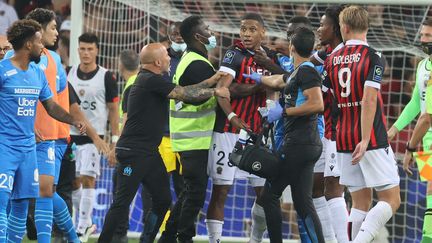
{"x": 275, "y": 113}
{"x": 254, "y": 76}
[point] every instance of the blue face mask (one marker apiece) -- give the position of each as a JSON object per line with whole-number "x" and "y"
{"x": 212, "y": 43}
{"x": 178, "y": 47}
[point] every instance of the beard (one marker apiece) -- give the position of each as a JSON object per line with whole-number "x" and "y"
{"x": 427, "y": 47}
{"x": 35, "y": 58}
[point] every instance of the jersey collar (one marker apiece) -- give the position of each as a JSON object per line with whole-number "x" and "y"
{"x": 356, "y": 43}
{"x": 338, "y": 47}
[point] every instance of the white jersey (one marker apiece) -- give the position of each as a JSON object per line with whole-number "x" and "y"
{"x": 422, "y": 77}
{"x": 92, "y": 95}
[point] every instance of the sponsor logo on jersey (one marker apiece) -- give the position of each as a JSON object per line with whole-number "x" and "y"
{"x": 81, "y": 92}
{"x": 26, "y": 106}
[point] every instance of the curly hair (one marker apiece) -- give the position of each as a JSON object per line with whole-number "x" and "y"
{"x": 333, "y": 14}
{"x": 22, "y": 31}
{"x": 42, "y": 16}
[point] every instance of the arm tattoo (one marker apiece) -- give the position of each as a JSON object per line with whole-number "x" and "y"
{"x": 191, "y": 94}
{"x": 57, "y": 112}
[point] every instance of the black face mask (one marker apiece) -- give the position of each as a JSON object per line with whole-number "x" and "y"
{"x": 427, "y": 47}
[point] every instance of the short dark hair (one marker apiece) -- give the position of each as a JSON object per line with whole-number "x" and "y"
{"x": 298, "y": 21}
{"x": 188, "y": 27}
{"x": 129, "y": 59}
{"x": 89, "y": 38}
{"x": 254, "y": 16}
{"x": 303, "y": 40}
{"x": 427, "y": 21}
{"x": 22, "y": 31}
{"x": 333, "y": 14}
{"x": 42, "y": 16}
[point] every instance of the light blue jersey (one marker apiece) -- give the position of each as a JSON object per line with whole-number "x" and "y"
{"x": 19, "y": 93}
{"x": 61, "y": 79}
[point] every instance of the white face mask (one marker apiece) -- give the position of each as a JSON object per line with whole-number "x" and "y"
{"x": 178, "y": 47}
{"x": 212, "y": 43}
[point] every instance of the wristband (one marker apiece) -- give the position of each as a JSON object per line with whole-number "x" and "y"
{"x": 412, "y": 150}
{"x": 231, "y": 115}
{"x": 114, "y": 138}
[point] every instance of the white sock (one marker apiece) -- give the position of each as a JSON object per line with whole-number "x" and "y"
{"x": 375, "y": 220}
{"x": 323, "y": 212}
{"x": 355, "y": 221}
{"x": 86, "y": 209}
{"x": 339, "y": 215}
{"x": 76, "y": 199}
{"x": 259, "y": 224}
{"x": 214, "y": 229}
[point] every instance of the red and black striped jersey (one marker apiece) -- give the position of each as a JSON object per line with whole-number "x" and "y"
{"x": 237, "y": 61}
{"x": 347, "y": 72}
{"x": 331, "y": 112}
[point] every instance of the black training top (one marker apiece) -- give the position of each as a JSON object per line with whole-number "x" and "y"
{"x": 147, "y": 108}
{"x": 301, "y": 129}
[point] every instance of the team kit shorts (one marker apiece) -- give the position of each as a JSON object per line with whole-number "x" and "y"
{"x": 377, "y": 169}
{"x": 220, "y": 169}
{"x": 327, "y": 163}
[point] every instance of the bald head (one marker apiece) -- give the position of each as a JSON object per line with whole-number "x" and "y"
{"x": 154, "y": 56}
{"x": 4, "y": 46}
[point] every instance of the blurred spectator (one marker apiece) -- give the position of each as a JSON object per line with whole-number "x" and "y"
{"x": 24, "y": 7}
{"x": 301, "y": 9}
{"x": 4, "y": 46}
{"x": 8, "y": 15}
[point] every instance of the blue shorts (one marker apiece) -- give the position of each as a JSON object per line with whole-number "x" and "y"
{"x": 46, "y": 157}
{"x": 18, "y": 173}
{"x": 60, "y": 149}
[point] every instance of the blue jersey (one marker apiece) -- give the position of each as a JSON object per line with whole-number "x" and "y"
{"x": 61, "y": 78}
{"x": 287, "y": 64}
{"x": 19, "y": 93}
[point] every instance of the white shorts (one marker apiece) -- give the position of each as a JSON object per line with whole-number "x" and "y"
{"x": 87, "y": 160}
{"x": 377, "y": 168}
{"x": 286, "y": 195}
{"x": 327, "y": 163}
{"x": 219, "y": 169}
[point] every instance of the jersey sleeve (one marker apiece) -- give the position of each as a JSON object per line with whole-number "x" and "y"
{"x": 195, "y": 73}
{"x": 309, "y": 78}
{"x": 231, "y": 62}
{"x": 9, "y": 54}
{"x": 159, "y": 85}
{"x": 45, "y": 92}
{"x": 111, "y": 88}
{"x": 125, "y": 99}
{"x": 320, "y": 56}
{"x": 376, "y": 70}
{"x": 411, "y": 110}
{"x": 429, "y": 97}
{"x": 73, "y": 97}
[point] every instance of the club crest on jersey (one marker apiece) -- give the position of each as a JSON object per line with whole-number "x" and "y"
{"x": 378, "y": 73}
{"x": 229, "y": 57}
{"x": 127, "y": 171}
{"x": 81, "y": 92}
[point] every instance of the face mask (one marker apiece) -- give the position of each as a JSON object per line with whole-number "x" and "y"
{"x": 427, "y": 47}
{"x": 212, "y": 43}
{"x": 178, "y": 47}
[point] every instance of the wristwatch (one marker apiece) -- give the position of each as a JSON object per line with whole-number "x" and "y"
{"x": 409, "y": 149}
